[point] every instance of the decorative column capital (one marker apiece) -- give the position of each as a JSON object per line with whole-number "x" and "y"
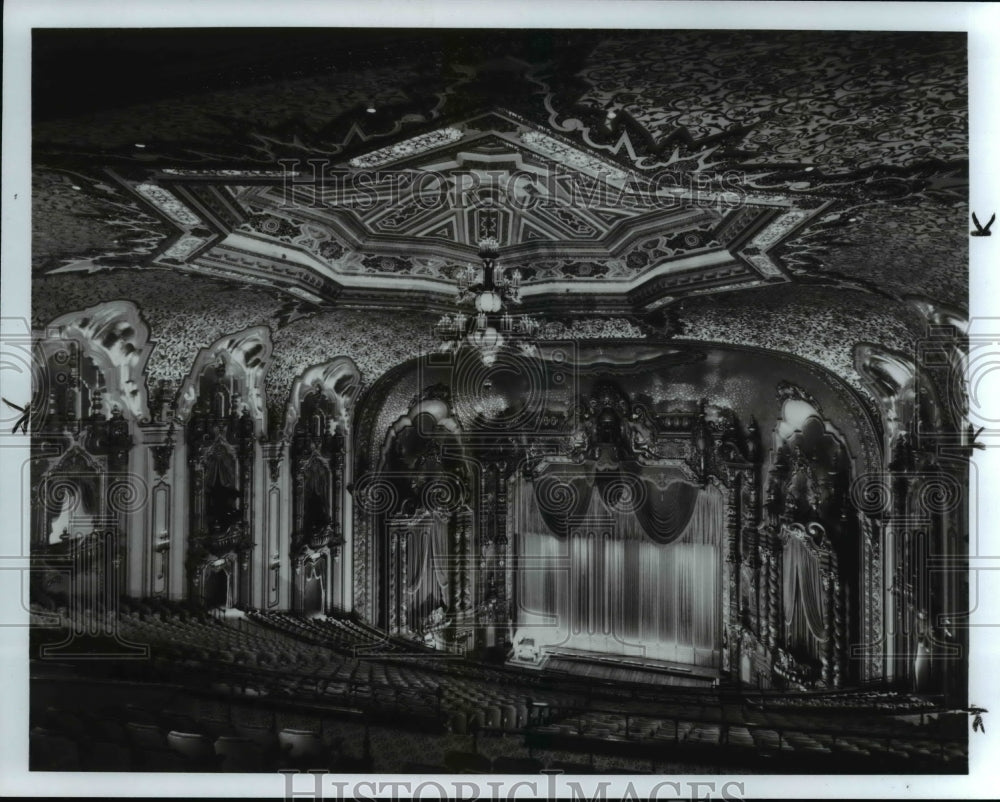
{"x": 273, "y": 453}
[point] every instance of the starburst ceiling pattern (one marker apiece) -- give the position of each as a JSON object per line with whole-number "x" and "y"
{"x": 743, "y": 166}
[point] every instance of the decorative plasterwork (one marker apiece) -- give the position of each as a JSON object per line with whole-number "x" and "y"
{"x": 571, "y": 156}
{"x": 410, "y": 147}
{"x": 570, "y": 220}
{"x": 166, "y": 202}
{"x": 116, "y": 338}
{"x": 248, "y": 354}
{"x": 876, "y": 121}
{"x": 339, "y": 380}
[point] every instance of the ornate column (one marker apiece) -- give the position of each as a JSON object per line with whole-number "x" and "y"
{"x": 483, "y": 551}
{"x": 149, "y": 529}
{"x": 766, "y": 600}
{"x": 502, "y": 548}
{"x": 393, "y": 572}
{"x": 751, "y": 544}
{"x": 404, "y": 580}
{"x": 361, "y": 563}
{"x": 873, "y": 667}
{"x": 776, "y": 607}
{"x": 454, "y": 581}
{"x": 197, "y": 494}
{"x": 254, "y": 560}
{"x": 344, "y": 562}
{"x": 334, "y": 563}
{"x": 837, "y": 597}
{"x": 491, "y": 593}
{"x": 464, "y": 553}
{"x": 276, "y": 517}
{"x": 733, "y": 543}
{"x": 828, "y": 657}
{"x": 176, "y": 479}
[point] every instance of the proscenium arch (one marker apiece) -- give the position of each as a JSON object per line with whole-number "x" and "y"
{"x": 909, "y": 401}
{"x": 391, "y": 394}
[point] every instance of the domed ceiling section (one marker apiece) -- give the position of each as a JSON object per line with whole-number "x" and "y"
{"x": 620, "y": 170}
{"x": 398, "y": 223}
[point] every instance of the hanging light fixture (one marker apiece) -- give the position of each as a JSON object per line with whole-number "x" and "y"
{"x": 491, "y": 291}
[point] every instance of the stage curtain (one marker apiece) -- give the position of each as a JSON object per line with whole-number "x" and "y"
{"x": 427, "y": 570}
{"x": 804, "y": 606}
{"x": 606, "y": 585}
{"x": 81, "y": 502}
{"x": 317, "y": 479}
{"x": 316, "y": 503}
{"x": 662, "y": 512}
{"x": 313, "y": 590}
{"x": 220, "y": 469}
{"x": 562, "y": 496}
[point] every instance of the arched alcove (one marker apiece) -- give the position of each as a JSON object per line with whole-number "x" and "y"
{"x": 116, "y": 338}
{"x": 221, "y": 408}
{"x": 318, "y": 431}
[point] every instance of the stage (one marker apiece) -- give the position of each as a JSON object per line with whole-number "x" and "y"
{"x": 623, "y": 668}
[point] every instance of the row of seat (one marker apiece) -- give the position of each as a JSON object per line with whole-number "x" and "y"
{"x": 195, "y": 643}
{"x": 130, "y": 738}
{"x": 902, "y": 745}
{"x": 335, "y": 633}
{"x": 135, "y": 739}
{"x": 270, "y": 655}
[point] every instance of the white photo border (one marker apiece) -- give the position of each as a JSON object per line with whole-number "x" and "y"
{"x": 979, "y": 20}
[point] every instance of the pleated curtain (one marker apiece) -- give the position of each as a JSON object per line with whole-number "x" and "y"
{"x": 601, "y": 583}
{"x": 804, "y": 606}
{"x": 427, "y": 569}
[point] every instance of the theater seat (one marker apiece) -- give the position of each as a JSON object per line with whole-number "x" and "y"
{"x": 194, "y": 746}
{"x": 492, "y": 717}
{"x": 52, "y": 753}
{"x": 146, "y": 736}
{"x": 262, "y": 736}
{"x": 104, "y": 756}
{"x": 239, "y": 754}
{"x": 162, "y": 760}
{"x": 301, "y": 744}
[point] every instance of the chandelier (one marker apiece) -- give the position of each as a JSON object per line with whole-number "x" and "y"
{"x": 489, "y": 326}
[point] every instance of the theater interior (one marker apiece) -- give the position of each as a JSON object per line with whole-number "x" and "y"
{"x": 438, "y": 401}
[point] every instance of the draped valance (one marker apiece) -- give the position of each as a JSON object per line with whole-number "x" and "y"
{"x": 662, "y": 503}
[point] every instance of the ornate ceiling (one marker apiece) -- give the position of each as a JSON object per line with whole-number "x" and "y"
{"x": 622, "y": 171}
{"x": 397, "y": 223}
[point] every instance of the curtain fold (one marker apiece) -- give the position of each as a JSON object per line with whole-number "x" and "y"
{"x": 663, "y": 512}
{"x": 427, "y": 570}
{"x": 802, "y": 589}
{"x": 220, "y": 469}
{"x": 562, "y": 495}
{"x": 89, "y": 494}
{"x": 597, "y": 580}
{"x": 317, "y": 480}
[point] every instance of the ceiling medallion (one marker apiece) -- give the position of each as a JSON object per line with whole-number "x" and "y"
{"x": 491, "y": 327}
